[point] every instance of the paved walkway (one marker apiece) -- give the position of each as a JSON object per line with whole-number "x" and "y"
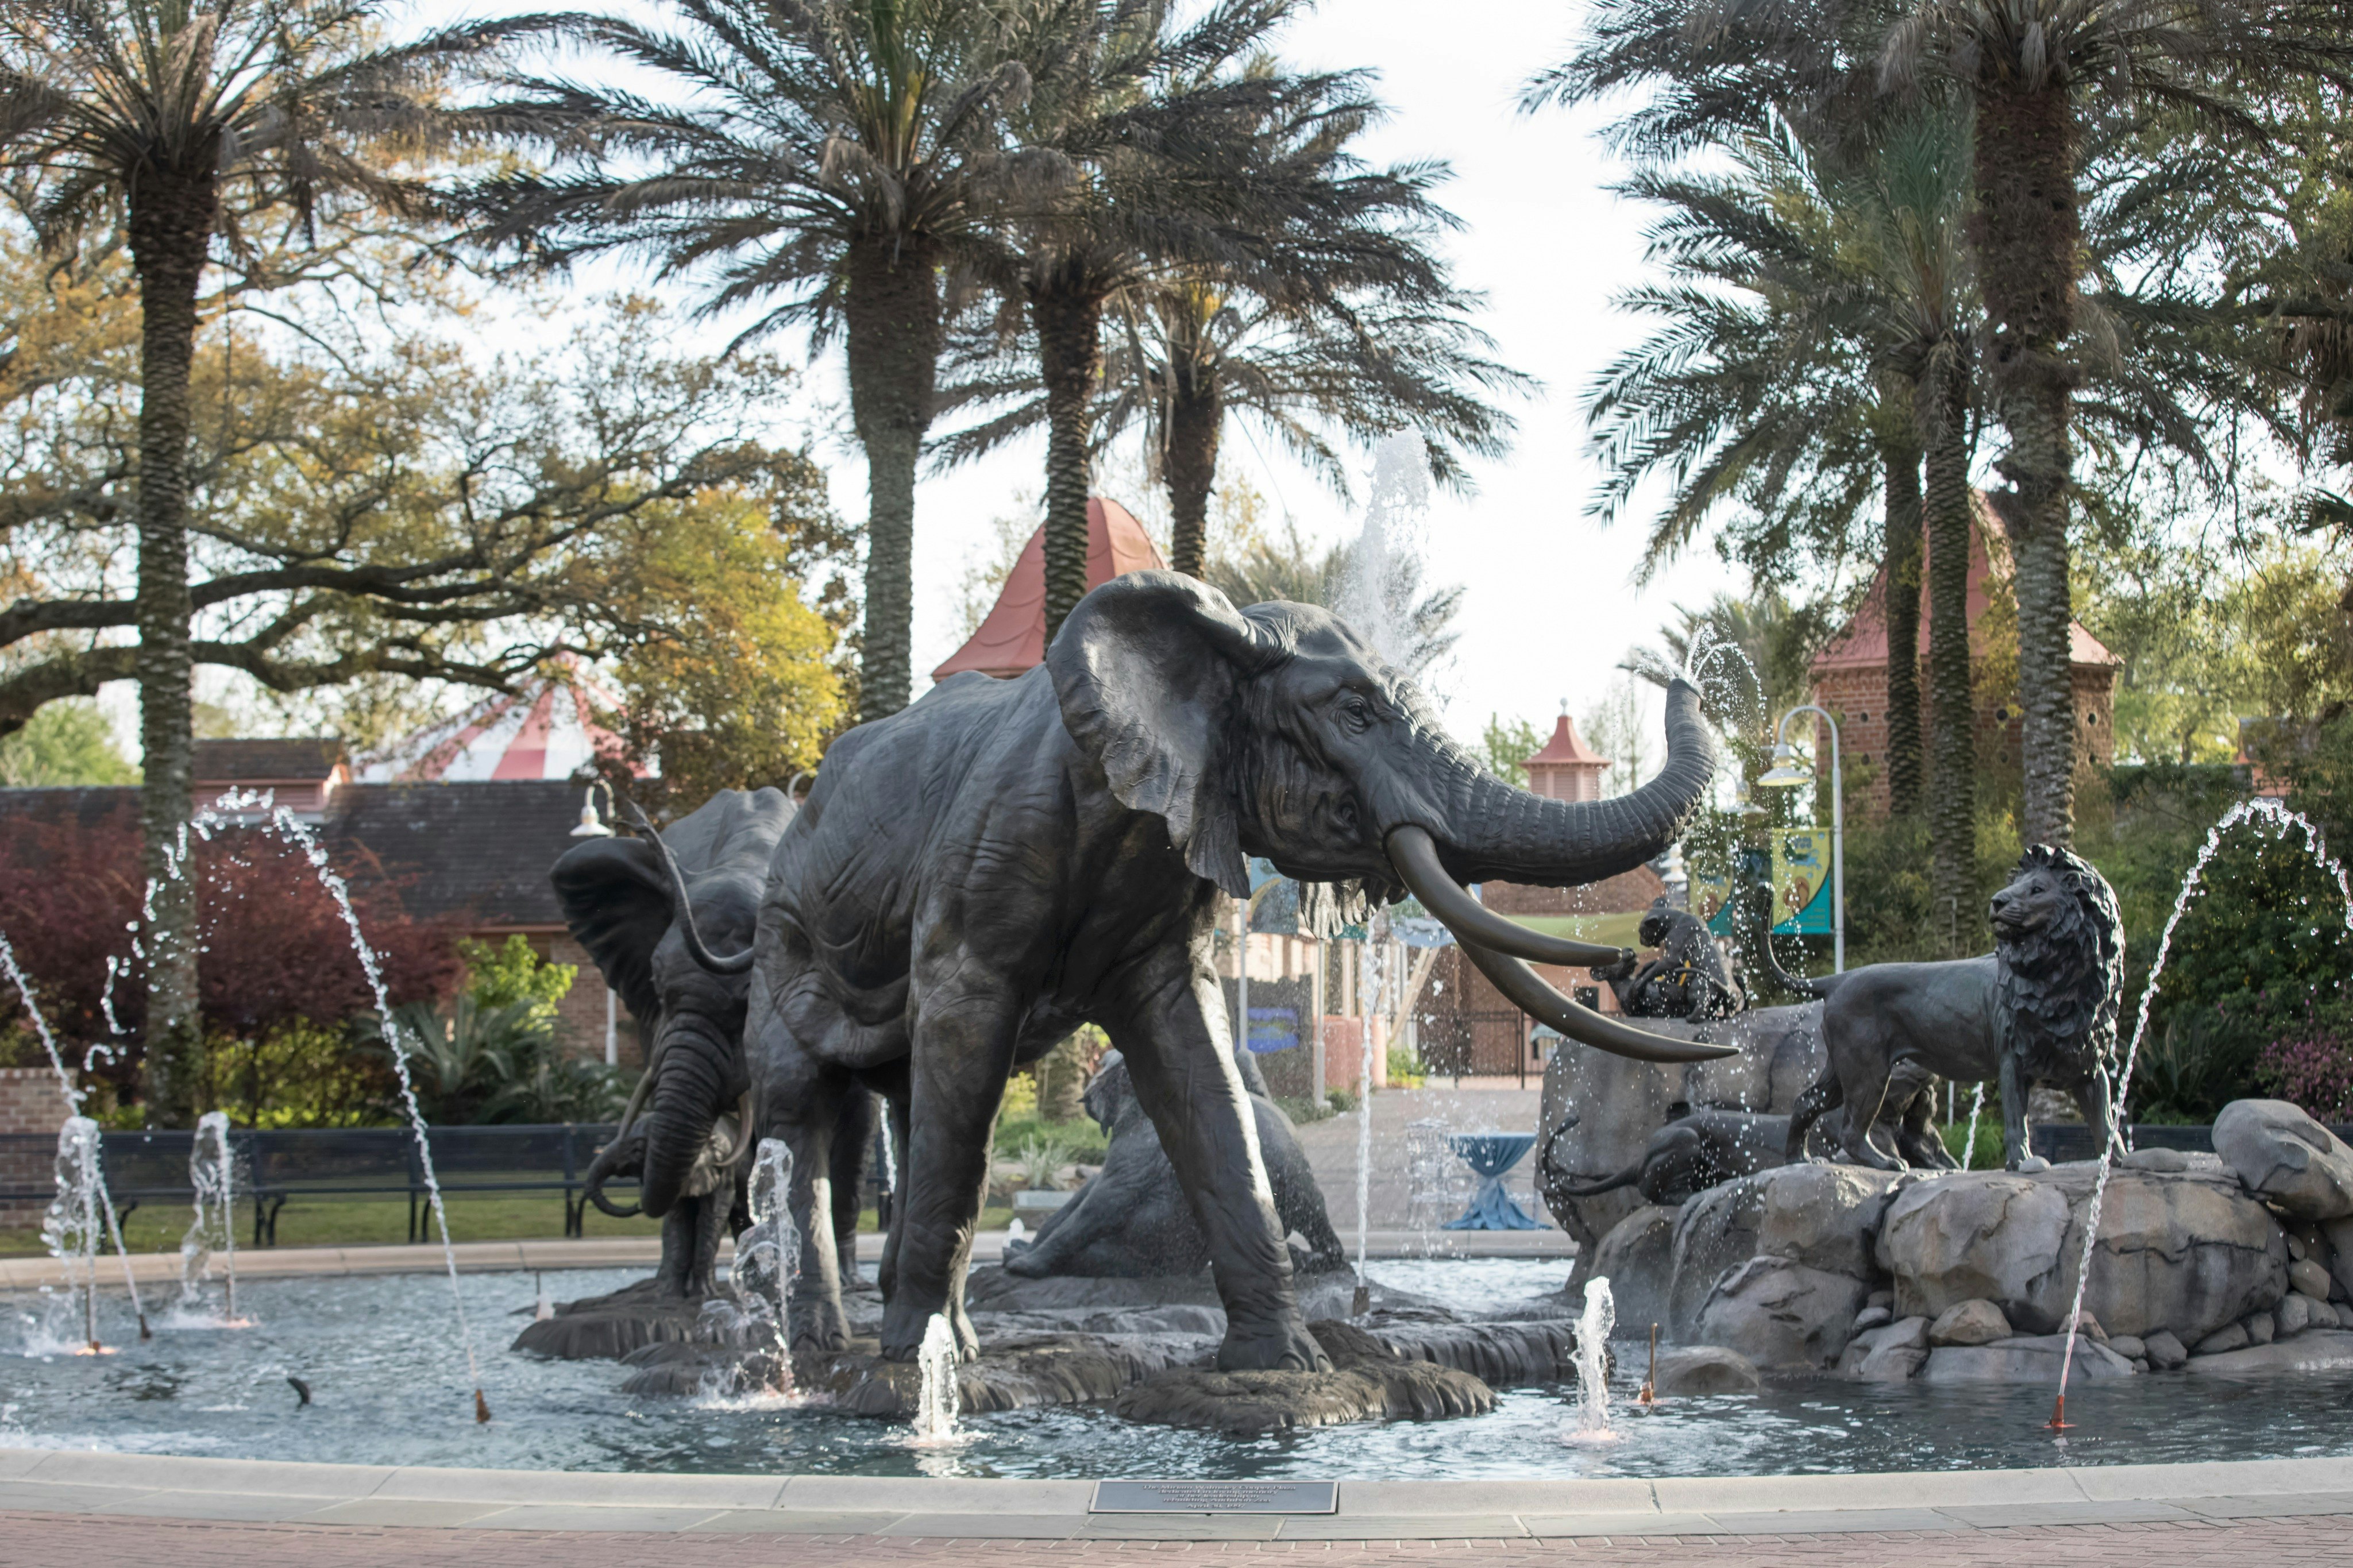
{"x": 116, "y": 1543}
{"x": 1479, "y": 1105}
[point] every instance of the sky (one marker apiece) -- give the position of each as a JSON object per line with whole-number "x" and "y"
{"x": 1550, "y": 605}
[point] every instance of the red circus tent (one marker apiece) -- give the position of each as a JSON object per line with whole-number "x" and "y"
{"x": 1013, "y": 637}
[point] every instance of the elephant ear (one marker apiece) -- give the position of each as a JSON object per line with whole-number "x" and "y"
{"x": 616, "y": 902}
{"x": 1147, "y": 669}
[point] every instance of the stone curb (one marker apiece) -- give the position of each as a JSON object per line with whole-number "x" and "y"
{"x": 524, "y": 1257}
{"x": 256, "y": 1492}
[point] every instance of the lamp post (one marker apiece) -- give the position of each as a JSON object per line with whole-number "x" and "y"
{"x": 1788, "y": 772}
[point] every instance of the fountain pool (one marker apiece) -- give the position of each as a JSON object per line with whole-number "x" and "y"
{"x": 387, "y": 1390}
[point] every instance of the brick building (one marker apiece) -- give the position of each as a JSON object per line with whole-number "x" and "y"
{"x": 463, "y": 821}
{"x": 1849, "y": 673}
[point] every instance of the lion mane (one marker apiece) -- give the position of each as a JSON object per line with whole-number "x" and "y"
{"x": 2061, "y": 986}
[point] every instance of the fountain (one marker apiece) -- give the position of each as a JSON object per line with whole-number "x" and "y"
{"x": 214, "y": 1229}
{"x": 768, "y": 1256}
{"x": 1593, "y": 1327}
{"x": 94, "y": 1186}
{"x": 235, "y": 809}
{"x": 72, "y": 1226}
{"x": 2261, "y": 811}
{"x": 936, "y": 1406}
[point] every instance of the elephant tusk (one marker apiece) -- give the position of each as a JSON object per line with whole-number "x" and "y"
{"x": 682, "y": 906}
{"x": 1527, "y": 990}
{"x": 1415, "y": 855}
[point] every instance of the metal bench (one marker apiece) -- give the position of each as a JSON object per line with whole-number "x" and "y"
{"x": 274, "y": 1166}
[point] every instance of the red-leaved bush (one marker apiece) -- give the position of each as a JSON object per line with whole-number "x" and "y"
{"x": 2314, "y": 1071}
{"x": 275, "y": 951}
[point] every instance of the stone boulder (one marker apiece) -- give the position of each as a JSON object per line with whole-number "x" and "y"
{"x": 2184, "y": 1251}
{"x": 1715, "y": 1233}
{"x": 1704, "y": 1369}
{"x": 2284, "y": 1156}
{"x": 2033, "y": 1358}
{"x": 1975, "y": 1323}
{"x": 1821, "y": 1219}
{"x": 2339, "y": 1234}
{"x": 1888, "y": 1354}
{"x": 1783, "y": 1314}
{"x": 1638, "y": 1258}
{"x": 1987, "y": 1235}
{"x": 2322, "y": 1349}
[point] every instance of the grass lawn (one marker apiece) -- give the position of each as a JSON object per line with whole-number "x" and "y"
{"x": 359, "y": 1222}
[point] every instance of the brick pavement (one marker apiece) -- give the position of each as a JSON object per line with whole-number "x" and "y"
{"x": 83, "y": 1541}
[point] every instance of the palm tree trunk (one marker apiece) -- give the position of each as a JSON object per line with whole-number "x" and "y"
{"x": 171, "y": 229}
{"x": 2029, "y": 237}
{"x": 1901, "y": 575}
{"x": 1196, "y": 416}
{"x": 1069, "y": 356}
{"x": 891, "y": 309}
{"x": 1943, "y": 420}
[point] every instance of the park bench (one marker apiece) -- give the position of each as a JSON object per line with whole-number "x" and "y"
{"x": 274, "y": 1166}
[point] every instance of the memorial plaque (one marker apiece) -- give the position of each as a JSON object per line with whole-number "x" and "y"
{"x": 1216, "y": 1497}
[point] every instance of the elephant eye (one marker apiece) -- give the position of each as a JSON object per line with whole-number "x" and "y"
{"x": 1357, "y": 711}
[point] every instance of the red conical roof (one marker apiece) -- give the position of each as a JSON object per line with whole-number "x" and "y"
{"x": 1864, "y": 641}
{"x": 1013, "y": 637}
{"x": 1566, "y": 748}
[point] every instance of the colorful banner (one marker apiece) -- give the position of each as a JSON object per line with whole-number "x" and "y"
{"x": 1802, "y": 878}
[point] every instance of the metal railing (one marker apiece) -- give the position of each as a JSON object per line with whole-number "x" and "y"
{"x": 272, "y": 1167}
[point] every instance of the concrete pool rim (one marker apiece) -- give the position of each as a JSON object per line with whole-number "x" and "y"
{"x": 104, "y": 1484}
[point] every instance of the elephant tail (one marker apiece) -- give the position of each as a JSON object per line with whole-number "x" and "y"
{"x": 682, "y": 906}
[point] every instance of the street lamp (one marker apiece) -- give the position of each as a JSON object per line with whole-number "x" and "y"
{"x": 1788, "y": 772}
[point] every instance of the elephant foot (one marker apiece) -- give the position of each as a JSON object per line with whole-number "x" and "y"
{"x": 902, "y": 1333}
{"x": 1281, "y": 1344}
{"x": 819, "y": 1326}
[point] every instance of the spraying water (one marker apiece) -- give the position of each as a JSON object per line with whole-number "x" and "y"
{"x": 768, "y": 1253}
{"x": 1373, "y": 987}
{"x": 73, "y": 1097}
{"x": 2263, "y": 813}
{"x": 1976, "y": 1108}
{"x": 294, "y": 831}
{"x": 214, "y": 1227}
{"x": 936, "y": 1401}
{"x": 1593, "y": 1327}
{"x": 72, "y": 1226}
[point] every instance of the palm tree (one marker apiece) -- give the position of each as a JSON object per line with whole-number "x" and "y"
{"x": 1805, "y": 303}
{"x": 1182, "y": 353}
{"x": 2030, "y": 66}
{"x": 1290, "y": 567}
{"x": 168, "y": 123}
{"x": 1187, "y": 153}
{"x": 824, "y": 160}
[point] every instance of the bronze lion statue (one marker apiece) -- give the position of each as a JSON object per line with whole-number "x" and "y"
{"x": 2041, "y": 1008}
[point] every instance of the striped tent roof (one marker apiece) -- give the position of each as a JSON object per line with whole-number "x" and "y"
{"x": 545, "y": 730}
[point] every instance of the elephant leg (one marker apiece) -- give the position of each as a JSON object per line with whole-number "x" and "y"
{"x": 895, "y": 1112}
{"x": 1169, "y": 1020}
{"x": 677, "y": 1271}
{"x": 962, "y": 1051}
{"x": 853, "y": 1138}
{"x": 800, "y": 1103}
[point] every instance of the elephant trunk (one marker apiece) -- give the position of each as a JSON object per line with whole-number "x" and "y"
{"x": 1495, "y": 831}
{"x": 686, "y": 1104}
{"x": 1498, "y": 831}
{"x": 615, "y": 1159}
